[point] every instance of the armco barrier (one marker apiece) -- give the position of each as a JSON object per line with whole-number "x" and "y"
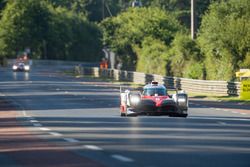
{"x": 222, "y": 88}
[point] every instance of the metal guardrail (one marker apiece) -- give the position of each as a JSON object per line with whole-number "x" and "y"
{"x": 222, "y": 88}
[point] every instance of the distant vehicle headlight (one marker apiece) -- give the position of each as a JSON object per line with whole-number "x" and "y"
{"x": 14, "y": 67}
{"x": 26, "y": 67}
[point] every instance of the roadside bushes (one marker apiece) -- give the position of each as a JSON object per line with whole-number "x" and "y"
{"x": 224, "y": 38}
{"x": 185, "y": 57}
{"x": 143, "y": 33}
{"x": 152, "y": 56}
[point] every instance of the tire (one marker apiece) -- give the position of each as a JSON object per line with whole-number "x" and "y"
{"x": 123, "y": 114}
{"x": 183, "y": 115}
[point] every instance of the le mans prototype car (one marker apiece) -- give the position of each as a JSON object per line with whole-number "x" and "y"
{"x": 154, "y": 100}
{"x": 20, "y": 66}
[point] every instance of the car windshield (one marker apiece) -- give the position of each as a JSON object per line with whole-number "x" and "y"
{"x": 153, "y": 91}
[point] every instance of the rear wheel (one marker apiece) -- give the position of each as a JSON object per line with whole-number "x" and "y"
{"x": 183, "y": 115}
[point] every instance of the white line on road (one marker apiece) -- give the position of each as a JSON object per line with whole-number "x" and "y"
{"x": 93, "y": 147}
{"x": 37, "y": 124}
{"x": 218, "y": 118}
{"x": 55, "y": 134}
{"x": 243, "y": 113}
{"x": 33, "y": 121}
{"x": 222, "y": 123}
{"x": 44, "y": 129}
{"x": 122, "y": 158}
{"x": 71, "y": 140}
{"x": 24, "y": 113}
{"x": 234, "y": 112}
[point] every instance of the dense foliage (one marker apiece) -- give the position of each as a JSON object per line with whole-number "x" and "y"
{"x": 225, "y": 38}
{"x": 134, "y": 31}
{"x": 50, "y": 32}
{"x": 154, "y": 38}
{"x": 221, "y": 49}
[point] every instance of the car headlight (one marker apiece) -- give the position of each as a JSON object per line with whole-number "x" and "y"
{"x": 135, "y": 99}
{"x": 14, "y": 67}
{"x": 27, "y": 67}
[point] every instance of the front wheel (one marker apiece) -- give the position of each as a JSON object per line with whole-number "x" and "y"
{"x": 123, "y": 114}
{"x": 127, "y": 113}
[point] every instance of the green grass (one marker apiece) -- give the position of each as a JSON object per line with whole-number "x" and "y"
{"x": 218, "y": 98}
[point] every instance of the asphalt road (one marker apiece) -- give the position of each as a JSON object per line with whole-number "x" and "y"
{"x": 49, "y": 119}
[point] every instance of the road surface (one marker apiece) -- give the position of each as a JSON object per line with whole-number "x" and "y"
{"x": 50, "y": 119}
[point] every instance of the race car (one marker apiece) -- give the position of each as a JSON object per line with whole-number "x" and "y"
{"x": 154, "y": 100}
{"x": 20, "y": 66}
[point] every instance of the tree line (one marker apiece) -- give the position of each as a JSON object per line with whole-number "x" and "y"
{"x": 154, "y": 38}
{"x": 50, "y": 28}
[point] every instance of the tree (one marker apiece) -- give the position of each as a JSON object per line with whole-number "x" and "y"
{"x": 224, "y": 38}
{"x": 152, "y": 56}
{"x": 23, "y": 24}
{"x": 185, "y": 57}
{"x": 128, "y": 30}
{"x": 51, "y": 32}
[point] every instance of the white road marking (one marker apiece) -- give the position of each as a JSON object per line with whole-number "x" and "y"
{"x": 33, "y": 121}
{"x": 93, "y": 147}
{"x": 218, "y": 118}
{"x": 71, "y": 140}
{"x": 243, "y": 113}
{"x": 45, "y": 129}
{"x": 37, "y": 124}
{"x": 217, "y": 109}
{"x": 24, "y": 113}
{"x": 122, "y": 158}
{"x": 55, "y": 134}
{"x": 222, "y": 123}
{"x": 234, "y": 112}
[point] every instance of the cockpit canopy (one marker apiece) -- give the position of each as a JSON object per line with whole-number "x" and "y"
{"x": 152, "y": 91}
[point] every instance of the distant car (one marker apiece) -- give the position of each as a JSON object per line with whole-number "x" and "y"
{"x": 154, "y": 100}
{"x": 21, "y": 66}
